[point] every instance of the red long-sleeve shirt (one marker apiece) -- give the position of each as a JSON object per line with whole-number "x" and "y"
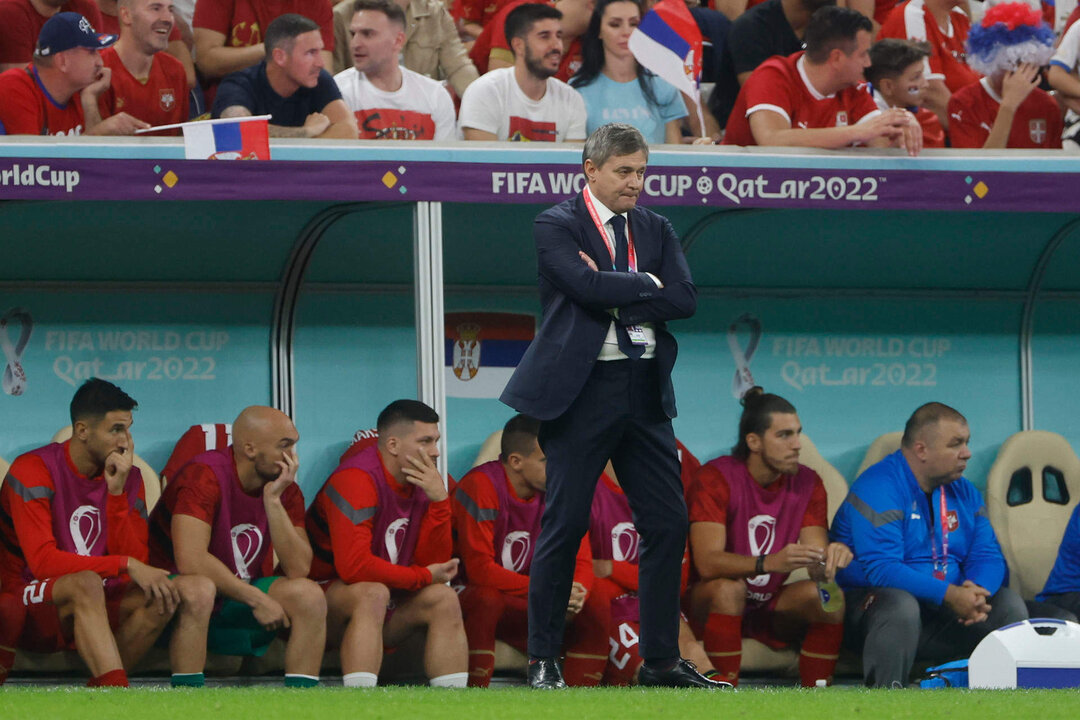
{"x": 26, "y": 527}
{"x": 338, "y": 536}
{"x": 476, "y": 541}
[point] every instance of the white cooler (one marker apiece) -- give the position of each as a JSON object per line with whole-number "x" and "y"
{"x": 1036, "y": 653}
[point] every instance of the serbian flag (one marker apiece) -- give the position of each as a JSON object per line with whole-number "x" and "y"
{"x": 668, "y": 42}
{"x": 482, "y": 350}
{"x": 246, "y": 138}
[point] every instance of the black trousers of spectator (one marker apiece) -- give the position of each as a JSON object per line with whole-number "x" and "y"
{"x": 1066, "y": 604}
{"x": 617, "y": 415}
{"x": 893, "y": 629}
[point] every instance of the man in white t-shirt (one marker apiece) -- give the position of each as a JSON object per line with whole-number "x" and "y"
{"x": 526, "y": 102}
{"x": 390, "y": 102}
{"x": 1062, "y": 77}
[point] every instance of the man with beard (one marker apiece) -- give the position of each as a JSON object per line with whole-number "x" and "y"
{"x": 928, "y": 577}
{"x": 390, "y": 102}
{"x": 224, "y": 516}
{"x": 755, "y": 516}
{"x": 291, "y": 85}
{"x": 146, "y": 82}
{"x": 73, "y": 550}
{"x": 525, "y": 102}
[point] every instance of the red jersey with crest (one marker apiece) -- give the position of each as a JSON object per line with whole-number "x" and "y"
{"x": 55, "y": 521}
{"x": 345, "y": 519}
{"x": 196, "y": 440}
{"x": 913, "y": 21}
{"x": 28, "y": 109}
{"x": 972, "y": 111}
{"x": 20, "y": 25}
{"x": 758, "y": 520}
{"x": 161, "y": 98}
{"x": 780, "y": 85}
{"x": 497, "y": 532}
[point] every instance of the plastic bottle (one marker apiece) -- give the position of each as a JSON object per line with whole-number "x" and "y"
{"x": 830, "y": 594}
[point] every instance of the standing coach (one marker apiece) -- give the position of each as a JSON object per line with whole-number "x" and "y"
{"x": 598, "y": 376}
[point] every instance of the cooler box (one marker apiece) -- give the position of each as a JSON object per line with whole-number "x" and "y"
{"x": 1036, "y": 653}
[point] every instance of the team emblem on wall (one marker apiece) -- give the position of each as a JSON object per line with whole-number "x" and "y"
{"x": 482, "y": 350}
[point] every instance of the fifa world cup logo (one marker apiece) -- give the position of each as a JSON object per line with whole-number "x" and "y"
{"x": 247, "y": 542}
{"x": 395, "y": 537}
{"x": 762, "y": 530}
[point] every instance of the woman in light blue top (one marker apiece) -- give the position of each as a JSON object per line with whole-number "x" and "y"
{"x": 615, "y": 87}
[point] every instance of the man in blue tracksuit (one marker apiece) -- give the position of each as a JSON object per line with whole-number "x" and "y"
{"x": 1062, "y": 588}
{"x": 927, "y": 579}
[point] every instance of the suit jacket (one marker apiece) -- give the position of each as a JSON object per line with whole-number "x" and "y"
{"x": 576, "y": 300}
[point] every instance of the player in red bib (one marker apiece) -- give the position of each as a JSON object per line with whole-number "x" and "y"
{"x": 817, "y": 98}
{"x": 756, "y": 516}
{"x": 225, "y": 515}
{"x": 73, "y": 548}
{"x": 147, "y": 82}
{"x": 615, "y": 544}
{"x": 196, "y": 440}
{"x": 898, "y": 78}
{"x": 497, "y": 511}
{"x": 1007, "y": 109}
{"x": 380, "y": 527}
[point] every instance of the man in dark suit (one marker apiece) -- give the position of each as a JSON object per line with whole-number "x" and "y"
{"x": 598, "y": 376}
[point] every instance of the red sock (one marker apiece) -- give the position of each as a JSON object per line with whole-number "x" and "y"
{"x": 113, "y": 678}
{"x": 820, "y": 648}
{"x": 723, "y": 644}
{"x": 481, "y": 608}
{"x": 12, "y": 615}
{"x": 587, "y": 639}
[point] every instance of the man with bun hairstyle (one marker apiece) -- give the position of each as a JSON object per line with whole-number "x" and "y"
{"x": 756, "y": 516}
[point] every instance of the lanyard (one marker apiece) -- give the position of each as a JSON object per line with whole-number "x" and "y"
{"x": 939, "y": 571}
{"x": 631, "y": 254}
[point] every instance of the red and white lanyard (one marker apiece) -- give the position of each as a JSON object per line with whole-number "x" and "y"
{"x": 940, "y": 571}
{"x": 631, "y": 254}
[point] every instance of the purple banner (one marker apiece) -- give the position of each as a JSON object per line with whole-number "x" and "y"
{"x": 112, "y": 179}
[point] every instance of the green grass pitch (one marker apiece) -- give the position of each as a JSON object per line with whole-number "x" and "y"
{"x": 408, "y": 703}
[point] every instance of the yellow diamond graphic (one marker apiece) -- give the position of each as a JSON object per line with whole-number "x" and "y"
{"x": 170, "y": 179}
{"x": 389, "y": 179}
{"x": 981, "y": 190}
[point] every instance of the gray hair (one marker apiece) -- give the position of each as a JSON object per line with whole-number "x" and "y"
{"x": 613, "y": 139}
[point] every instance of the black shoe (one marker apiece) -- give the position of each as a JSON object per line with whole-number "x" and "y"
{"x": 683, "y": 674}
{"x": 545, "y": 674}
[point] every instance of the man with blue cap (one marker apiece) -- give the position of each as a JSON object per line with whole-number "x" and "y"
{"x": 57, "y": 93}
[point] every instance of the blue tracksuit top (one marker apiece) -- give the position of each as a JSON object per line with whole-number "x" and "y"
{"x": 888, "y": 523}
{"x": 1065, "y": 577}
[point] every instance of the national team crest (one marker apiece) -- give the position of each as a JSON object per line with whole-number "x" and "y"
{"x": 952, "y": 520}
{"x": 1037, "y": 130}
{"x": 482, "y": 350}
{"x": 841, "y": 118}
{"x": 166, "y": 99}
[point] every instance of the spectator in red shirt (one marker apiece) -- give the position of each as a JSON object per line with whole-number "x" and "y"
{"x": 57, "y": 94}
{"x": 110, "y": 23}
{"x": 146, "y": 81}
{"x": 1007, "y": 109}
{"x": 755, "y": 516}
{"x": 897, "y": 77}
{"x": 21, "y": 22}
{"x": 381, "y": 531}
{"x": 224, "y": 516}
{"x": 73, "y": 547}
{"x": 816, "y": 98}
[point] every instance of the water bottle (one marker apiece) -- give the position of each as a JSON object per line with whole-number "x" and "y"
{"x": 831, "y": 597}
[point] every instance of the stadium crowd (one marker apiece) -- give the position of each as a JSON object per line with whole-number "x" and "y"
{"x": 812, "y": 73}
{"x": 388, "y": 559}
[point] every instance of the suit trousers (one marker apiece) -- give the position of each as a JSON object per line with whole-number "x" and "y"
{"x": 617, "y": 415}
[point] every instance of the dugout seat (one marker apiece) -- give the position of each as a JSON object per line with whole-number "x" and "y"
{"x": 1031, "y": 491}
{"x": 4, "y": 465}
{"x": 882, "y": 447}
